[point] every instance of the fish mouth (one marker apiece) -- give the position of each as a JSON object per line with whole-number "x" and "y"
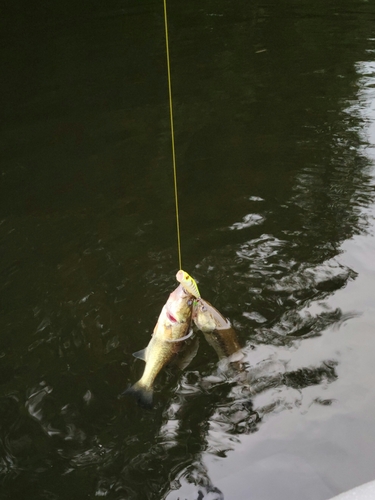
{"x": 171, "y": 318}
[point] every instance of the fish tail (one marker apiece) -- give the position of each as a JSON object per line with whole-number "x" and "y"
{"x": 141, "y": 393}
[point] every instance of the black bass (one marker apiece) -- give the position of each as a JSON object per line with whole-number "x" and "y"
{"x": 172, "y": 328}
{"x": 217, "y": 330}
{"x": 207, "y": 318}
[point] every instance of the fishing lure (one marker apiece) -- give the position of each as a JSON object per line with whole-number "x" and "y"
{"x": 188, "y": 283}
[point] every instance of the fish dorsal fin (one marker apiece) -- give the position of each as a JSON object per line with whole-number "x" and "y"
{"x": 140, "y": 354}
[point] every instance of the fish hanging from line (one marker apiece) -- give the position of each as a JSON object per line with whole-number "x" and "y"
{"x": 217, "y": 330}
{"x": 172, "y": 329}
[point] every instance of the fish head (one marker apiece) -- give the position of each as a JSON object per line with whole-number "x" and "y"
{"x": 202, "y": 316}
{"x": 207, "y": 318}
{"x": 179, "y": 306}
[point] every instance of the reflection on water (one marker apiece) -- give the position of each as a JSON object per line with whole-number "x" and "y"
{"x": 275, "y": 178}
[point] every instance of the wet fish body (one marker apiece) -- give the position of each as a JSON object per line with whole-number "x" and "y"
{"x": 217, "y": 330}
{"x": 172, "y": 327}
{"x": 225, "y": 343}
{"x": 207, "y": 318}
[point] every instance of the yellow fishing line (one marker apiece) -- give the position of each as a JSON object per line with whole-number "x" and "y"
{"x": 172, "y": 134}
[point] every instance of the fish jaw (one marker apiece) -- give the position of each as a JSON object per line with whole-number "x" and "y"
{"x": 207, "y": 318}
{"x": 203, "y": 320}
{"x": 178, "y": 309}
{"x": 169, "y": 329}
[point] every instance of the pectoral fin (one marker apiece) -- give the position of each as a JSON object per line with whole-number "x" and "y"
{"x": 140, "y": 354}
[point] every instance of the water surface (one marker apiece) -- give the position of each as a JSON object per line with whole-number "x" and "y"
{"x": 275, "y": 135}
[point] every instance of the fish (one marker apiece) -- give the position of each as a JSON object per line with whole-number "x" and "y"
{"x": 188, "y": 283}
{"x": 225, "y": 344}
{"x": 207, "y": 318}
{"x": 171, "y": 330}
{"x": 217, "y": 330}
{"x": 187, "y": 353}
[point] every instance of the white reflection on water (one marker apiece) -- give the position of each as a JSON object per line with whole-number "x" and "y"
{"x": 248, "y": 221}
{"x": 34, "y": 402}
{"x": 312, "y": 395}
{"x": 328, "y": 451}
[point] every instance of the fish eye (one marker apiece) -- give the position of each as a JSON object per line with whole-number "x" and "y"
{"x": 189, "y": 302}
{"x": 204, "y": 309}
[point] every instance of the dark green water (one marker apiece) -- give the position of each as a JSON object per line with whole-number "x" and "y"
{"x": 275, "y": 136}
